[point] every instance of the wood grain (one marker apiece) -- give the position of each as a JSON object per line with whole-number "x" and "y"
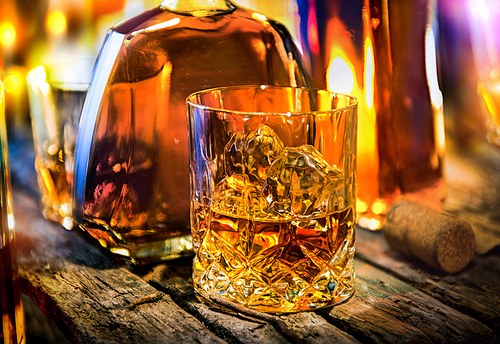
{"x": 387, "y": 310}
{"x": 94, "y": 298}
{"x": 175, "y": 278}
{"x": 89, "y": 297}
{"x": 474, "y": 291}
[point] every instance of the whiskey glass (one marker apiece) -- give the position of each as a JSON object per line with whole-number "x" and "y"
{"x": 273, "y": 196}
{"x": 56, "y": 94}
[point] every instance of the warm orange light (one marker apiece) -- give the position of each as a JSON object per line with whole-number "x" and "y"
{"x": 7, "y": 34}
{"x": 372, "y": 224}
{"x": 56, "y": 22}
{"x": 343, "y": 62}
{"x": 348, "y": 72}
{"x": 379, "y": 207}
{"x": 101, "y": 7}
{"x": 367, "y": 133}
{"x": 489, "y": 97}
{"x": 361, "y": 206}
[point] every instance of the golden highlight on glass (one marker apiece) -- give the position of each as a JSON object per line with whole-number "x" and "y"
{"x": 56, "y": 95}
{"x": 12, "y": 326}
{"x": 273, "y": 196}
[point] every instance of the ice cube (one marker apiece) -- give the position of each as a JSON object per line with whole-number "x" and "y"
{"x": 248, "y": 156}
{"x": 302, "y": 183}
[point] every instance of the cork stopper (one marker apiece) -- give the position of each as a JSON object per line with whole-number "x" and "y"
{"x": 442, "y": 241}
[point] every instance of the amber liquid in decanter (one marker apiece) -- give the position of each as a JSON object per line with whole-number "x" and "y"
{"x": 136, "y": 197}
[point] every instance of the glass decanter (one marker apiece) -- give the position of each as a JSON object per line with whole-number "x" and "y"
{"x": 131, "y": 187}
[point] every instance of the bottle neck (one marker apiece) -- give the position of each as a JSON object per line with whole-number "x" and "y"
{"x": 198, "y": 8}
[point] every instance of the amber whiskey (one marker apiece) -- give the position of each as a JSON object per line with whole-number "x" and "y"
{"x": 55, "y": 188}
{"x": 275, "y": 266}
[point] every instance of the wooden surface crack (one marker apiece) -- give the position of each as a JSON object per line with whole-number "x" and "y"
{"x": 277, "y": 323}
{"x": 151, "y": 298}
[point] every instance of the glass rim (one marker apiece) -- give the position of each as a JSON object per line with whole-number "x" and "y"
{"x": 189, "y": 101}
{"x": 59, "y": 74}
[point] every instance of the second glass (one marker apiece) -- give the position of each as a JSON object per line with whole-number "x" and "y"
{"x": 273, "y": 195}
{"x": 57, "y": 93}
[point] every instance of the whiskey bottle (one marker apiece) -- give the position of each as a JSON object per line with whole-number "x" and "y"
{"x": 131, "y": 184}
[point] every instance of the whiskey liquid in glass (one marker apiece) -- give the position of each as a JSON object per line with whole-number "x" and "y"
{"x": 273, "y": 190}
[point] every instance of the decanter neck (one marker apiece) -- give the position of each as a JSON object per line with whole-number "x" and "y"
{"x": 197, "y": 8}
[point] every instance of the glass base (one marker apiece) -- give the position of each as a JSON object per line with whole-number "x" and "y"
{"x": 286, "y": 290}
{"x": 55, "y": 214}
{"x": 143, "y": 252}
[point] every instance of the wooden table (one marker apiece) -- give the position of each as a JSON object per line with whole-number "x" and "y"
{"x": 93, "y": 298}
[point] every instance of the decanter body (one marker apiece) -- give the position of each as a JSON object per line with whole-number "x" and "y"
{"x": 131, "y": 164}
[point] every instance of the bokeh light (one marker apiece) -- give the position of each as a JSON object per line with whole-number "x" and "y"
{"x": 13, "y": 82}
{"x": 56, "y": 22}
{"x": 7, "y": 34}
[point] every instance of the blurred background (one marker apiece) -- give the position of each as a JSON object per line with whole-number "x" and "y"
{"x": 34, "y": 32}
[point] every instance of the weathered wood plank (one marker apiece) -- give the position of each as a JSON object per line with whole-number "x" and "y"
{"x": 315, "y": 329}
{"x": 89, "y": 297}
{"x": 473, "y": 182}
{"x": 474, "y": 291}
{"x": 95, "y": 300}
{"x": 175, "y": 279}
{"x": 386, "y": 310}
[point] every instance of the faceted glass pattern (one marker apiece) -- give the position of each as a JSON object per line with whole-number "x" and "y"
{"x": 273, "y": 222}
